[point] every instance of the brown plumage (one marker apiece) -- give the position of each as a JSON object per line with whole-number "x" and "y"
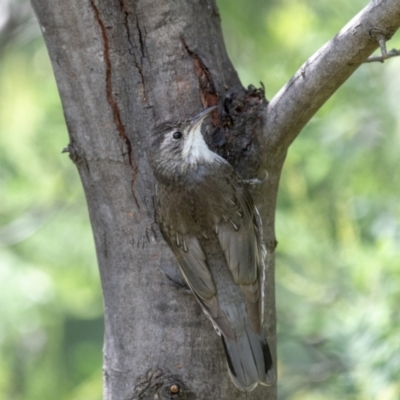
{"x": 209, "y": 221}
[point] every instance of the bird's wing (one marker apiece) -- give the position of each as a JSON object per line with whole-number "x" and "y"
{"x": 239, "y": 236}
{"x": 192, "y": 263}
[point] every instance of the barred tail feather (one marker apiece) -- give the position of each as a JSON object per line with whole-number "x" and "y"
{"x": 249, "y": 361}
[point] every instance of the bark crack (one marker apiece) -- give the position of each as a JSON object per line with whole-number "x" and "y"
{"x": 142, "y": 46}
{"x": 126, "y": 24}
{"x": 111, "y": 101}
{"x": 132, "y": 46}
{"x": 208, "y": 93}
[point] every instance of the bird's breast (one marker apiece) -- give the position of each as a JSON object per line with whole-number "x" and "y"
{"x": 204, "y": 198}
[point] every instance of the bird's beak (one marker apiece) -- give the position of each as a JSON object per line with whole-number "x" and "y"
{"x": 198, "y": 119}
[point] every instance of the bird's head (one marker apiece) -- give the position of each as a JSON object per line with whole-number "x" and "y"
{"x": 179, "y": 145}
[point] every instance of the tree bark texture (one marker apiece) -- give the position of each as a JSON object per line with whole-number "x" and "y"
{"x": 121, "y": 66}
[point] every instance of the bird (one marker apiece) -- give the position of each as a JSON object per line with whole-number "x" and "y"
{"x": 208, "y": 219}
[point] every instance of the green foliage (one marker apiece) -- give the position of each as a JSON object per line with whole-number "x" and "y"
{"x": 337, "y": 220}
{"x": 51, "y": 314}
{"x": 338, "y": 210}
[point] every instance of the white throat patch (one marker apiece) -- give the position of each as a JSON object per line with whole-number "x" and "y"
{"x": 195, "y": 148}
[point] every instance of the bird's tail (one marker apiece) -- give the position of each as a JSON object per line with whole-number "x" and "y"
{"x": 249, "y": 360}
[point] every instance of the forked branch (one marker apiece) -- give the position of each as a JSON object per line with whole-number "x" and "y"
{"x": 321, "y": 75}
{"x": 392, "y": 53}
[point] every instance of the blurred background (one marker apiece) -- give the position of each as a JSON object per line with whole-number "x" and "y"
{"x": 338, "y": 259}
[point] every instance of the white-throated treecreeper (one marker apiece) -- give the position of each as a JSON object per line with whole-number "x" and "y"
{"x": 208, "y": 218}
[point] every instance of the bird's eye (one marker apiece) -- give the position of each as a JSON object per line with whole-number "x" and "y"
{"x": 177, "y": 135}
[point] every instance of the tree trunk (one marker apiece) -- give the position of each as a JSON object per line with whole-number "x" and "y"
{"x": 121, "y": 66}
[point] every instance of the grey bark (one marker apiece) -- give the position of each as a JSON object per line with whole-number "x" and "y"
{"x": 123, "y": 65}
{"x": 323, "y": 73}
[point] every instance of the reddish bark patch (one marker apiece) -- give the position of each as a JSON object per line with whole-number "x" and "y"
{"x": 208, "y": 94}
{"x": 110, "y": 98}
